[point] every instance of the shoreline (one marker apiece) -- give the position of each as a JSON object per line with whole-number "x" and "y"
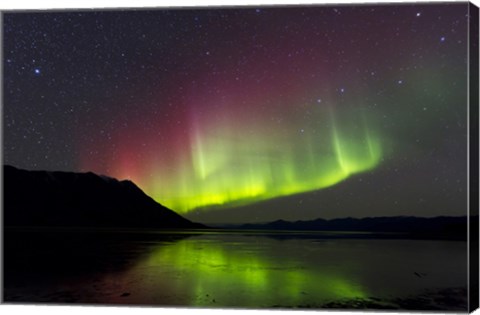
{"x": 447, "y": 299}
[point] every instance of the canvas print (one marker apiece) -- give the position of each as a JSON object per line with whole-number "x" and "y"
{"x": 272, "y": 157}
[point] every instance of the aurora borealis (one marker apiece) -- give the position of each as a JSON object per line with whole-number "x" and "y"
{"x": 342, "y": 110}
{"x": 229, "y": 162}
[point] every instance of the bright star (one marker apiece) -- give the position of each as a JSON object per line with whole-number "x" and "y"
{"x": 37, "y": 71}
{"x": 442, "y": 39}
{"x": 419, "y": 14}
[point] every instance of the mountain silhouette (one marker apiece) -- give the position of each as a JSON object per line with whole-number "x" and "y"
{"x": 441, "y": 227}
{"x": 42, "y": 198}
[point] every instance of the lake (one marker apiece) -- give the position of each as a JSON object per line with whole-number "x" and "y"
{"x": 233, "y": 269}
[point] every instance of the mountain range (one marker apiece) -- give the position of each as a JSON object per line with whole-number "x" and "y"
{"x": 67, "y": 199}
{"x": 43, "y": 198}
{"x": 442, "y": 227}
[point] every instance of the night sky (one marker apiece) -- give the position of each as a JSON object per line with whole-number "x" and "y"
{"x": 248, "y": 114}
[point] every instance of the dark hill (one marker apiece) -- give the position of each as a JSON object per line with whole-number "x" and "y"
{"x": 41, "y": 198}
{"x": 415, "y": 227}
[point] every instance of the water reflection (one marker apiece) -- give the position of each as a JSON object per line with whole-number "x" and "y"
{"x": 255, "y": 271}
{"x": 229, "y": 270}
{"x": 232, "y": 273}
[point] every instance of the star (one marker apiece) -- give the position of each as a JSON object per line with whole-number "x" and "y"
{"x": 36, "y": 71}
{"x": 419, "y": 14}
{"x": 442, "y": 39}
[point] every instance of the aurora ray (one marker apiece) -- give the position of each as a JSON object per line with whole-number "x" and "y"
{"x": 229, "y": 162}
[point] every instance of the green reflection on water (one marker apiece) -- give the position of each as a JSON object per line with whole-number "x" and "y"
{"x": 209, "y": 272}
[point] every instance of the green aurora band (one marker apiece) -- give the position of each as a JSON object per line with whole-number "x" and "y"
{"x": 230, "y": 165}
